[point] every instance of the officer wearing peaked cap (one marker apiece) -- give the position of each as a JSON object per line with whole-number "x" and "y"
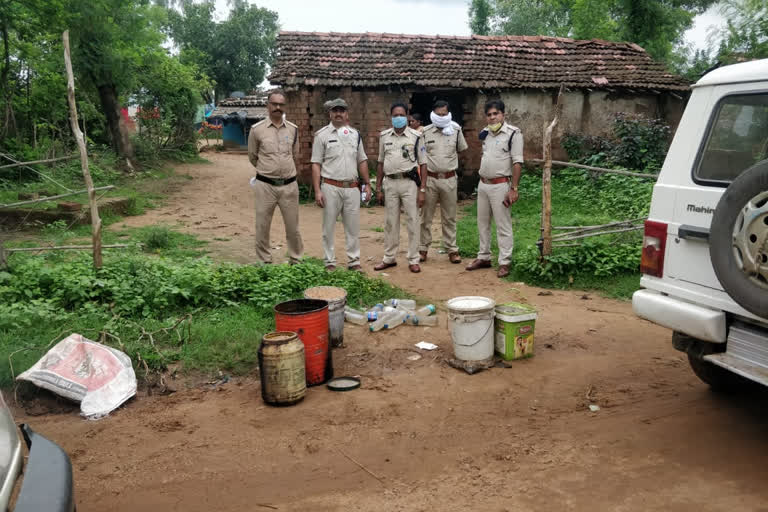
{"x": 338, "y": 164}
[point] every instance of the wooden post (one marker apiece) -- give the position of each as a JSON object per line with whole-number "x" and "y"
{"x": 546, "y": 180}
{"x": 3, "y": 257}
{"x": 95, "y": 220}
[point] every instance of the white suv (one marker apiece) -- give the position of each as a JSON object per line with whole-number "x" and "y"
{"x": 705, "y": 250}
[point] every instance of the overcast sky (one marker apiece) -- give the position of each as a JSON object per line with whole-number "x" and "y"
{"x": 447, "y": 17}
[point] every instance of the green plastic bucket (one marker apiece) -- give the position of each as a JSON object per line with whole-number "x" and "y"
{"x": 515, "y": 324}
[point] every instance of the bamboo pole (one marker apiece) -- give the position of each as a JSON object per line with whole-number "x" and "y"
{"x": 66, "y": 248}
{"x": 546, "y": 179}
{"x": 597, "y": 169}
{"x": 32, "y": 162}
{"x": 587, "y": 229}
{"x": 53, "y": 198}
{"x": 587, "y": 235}
{"x": 95, "y": 220}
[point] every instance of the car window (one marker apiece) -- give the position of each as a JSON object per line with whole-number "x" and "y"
{"x": 738, "y": 138}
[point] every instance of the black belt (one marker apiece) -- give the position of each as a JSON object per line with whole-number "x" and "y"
{"x": 276, "y": 183}
{"x": 397, "y": 175}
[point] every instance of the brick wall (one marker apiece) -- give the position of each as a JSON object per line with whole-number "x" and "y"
{"x": 530, "y": 110}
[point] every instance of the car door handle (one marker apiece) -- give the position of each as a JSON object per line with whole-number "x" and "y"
{"x": 693, "y": 233}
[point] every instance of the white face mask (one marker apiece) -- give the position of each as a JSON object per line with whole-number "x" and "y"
{"x": 443, "y": 122}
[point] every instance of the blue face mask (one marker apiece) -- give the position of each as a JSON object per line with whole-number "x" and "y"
{"x": 399, "y": 121}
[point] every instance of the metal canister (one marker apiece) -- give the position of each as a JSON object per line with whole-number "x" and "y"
{"x": 281, "y": 365}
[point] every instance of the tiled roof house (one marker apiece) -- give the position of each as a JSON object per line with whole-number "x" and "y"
{"x": 372, "y": 70}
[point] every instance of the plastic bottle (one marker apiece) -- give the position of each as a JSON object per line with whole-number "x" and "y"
{"x": 422, "y": 320}
{"x": 353, "y": 310}
{"x": 388, "y": 321}
{"x": 372, "y": 316}
{"x": 363, "y": 194}
{"x": 355, "y": 317}
{"x": 402, "y": 303}
{"x": 427, "y": 310}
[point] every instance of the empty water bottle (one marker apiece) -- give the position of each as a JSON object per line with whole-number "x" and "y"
{"x": 372, "y": 316}
{"x": 363, "y": 194}
{"x": 388, "y": 320}
{"x": 402, "y": 303}
{"x": 425, "y": 310}
{"x": 355, "y": 317}
{"x": 421, "y": 320}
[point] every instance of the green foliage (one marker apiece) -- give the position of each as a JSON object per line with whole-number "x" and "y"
{"x": 480, "y": 17}
{"x": 42, "y": 299}
{"x": 745, "y": 35}
{"x": 637, "y": 143}
{"x": 608, "y": 263}
{"x": 235, "y": 52}
{"x": 168, "y": 98}
{"x": 656, "y": 25}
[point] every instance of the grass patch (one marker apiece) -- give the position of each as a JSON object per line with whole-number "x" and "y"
{"x": 43, "y": 299}
{"x": 608, "y": 264}
{"x": 378, "y": 229}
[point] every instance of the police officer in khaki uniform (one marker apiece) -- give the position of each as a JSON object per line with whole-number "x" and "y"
{"x": 401, "y": 154}
{"x": 500, "y": 170}
{"x": 271, "y": 146}
{"x": 443, "y": 140}
{"x": 338, "y": 163}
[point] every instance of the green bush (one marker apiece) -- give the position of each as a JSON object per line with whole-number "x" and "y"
{"x": 637, "y": 142}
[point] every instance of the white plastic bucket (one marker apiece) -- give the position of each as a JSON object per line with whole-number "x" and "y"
{"x": 471, "y": 323}
{"x": 336, "y": 299}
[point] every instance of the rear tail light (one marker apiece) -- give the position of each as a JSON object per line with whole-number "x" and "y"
{"x": 654, "y": 244}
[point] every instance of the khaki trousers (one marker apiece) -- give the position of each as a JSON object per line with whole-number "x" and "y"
{"x": 444, "y": 191}
{"x": 344, "y": 201}
{"x": 489, "y": 204}
{"x": 396, "y": 193}
{"x": 285, "y": 197}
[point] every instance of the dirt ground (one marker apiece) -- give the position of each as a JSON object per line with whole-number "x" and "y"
{"x": 419, "y": 435}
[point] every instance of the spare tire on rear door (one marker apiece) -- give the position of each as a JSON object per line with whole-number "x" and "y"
{"x": 738, "y": 240}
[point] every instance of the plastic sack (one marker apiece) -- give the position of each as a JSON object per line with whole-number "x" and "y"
{"x": 99, "y": 377}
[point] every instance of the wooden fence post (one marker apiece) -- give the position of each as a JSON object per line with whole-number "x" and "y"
{"x": 95, "y": 220}
{"x": 3, "y": 257}
{"x": 546, "y": 180}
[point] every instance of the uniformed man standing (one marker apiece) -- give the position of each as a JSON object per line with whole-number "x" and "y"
{"x": 401, "y": 159}
{"x": 271, "y": 146}
{"x": 500, "y": 170}
{"x": 443, "y": 140}
{"x": 338, "y": 163}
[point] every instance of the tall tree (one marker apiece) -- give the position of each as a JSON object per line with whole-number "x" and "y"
{"x": 235, "y": 52}
{"x": 745, "y": 35}
{"x": 110, "y": 40}
{"x": 656, "y": 25}
{"x": 480, "y": 17}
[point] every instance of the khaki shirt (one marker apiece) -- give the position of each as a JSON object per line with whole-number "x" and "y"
{"x": 271, "y": 148}
{"x": 443, "y": 150}
{"x": 338, "y": 151}
{"x": 499, "y": 154}
{"x": 401, "y": 153}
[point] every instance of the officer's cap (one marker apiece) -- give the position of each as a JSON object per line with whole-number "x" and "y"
{"x": 338, "y": 102}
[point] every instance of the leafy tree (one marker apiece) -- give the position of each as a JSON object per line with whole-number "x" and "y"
{"x": 235, "y": 52}
{"x": 480, "y": 17}
{"x": 746, "y": 33}
{"x": 656, "y": 25}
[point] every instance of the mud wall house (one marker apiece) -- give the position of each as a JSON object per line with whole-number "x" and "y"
{"x": 237, "y": 115}
{"x": 370, "y": 71}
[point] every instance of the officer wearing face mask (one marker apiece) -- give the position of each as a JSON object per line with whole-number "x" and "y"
{"x": 402, "y": 163}
{"x": 443, "y": 140}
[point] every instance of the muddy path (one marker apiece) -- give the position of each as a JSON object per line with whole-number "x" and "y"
{"x": 419, "y": 435}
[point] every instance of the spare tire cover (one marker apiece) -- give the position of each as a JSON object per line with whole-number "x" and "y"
{"x": 738, "y": 240}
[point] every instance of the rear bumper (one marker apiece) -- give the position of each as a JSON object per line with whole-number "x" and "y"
{"x": 48, "y": 483}
{"x": 699, "y": 322}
